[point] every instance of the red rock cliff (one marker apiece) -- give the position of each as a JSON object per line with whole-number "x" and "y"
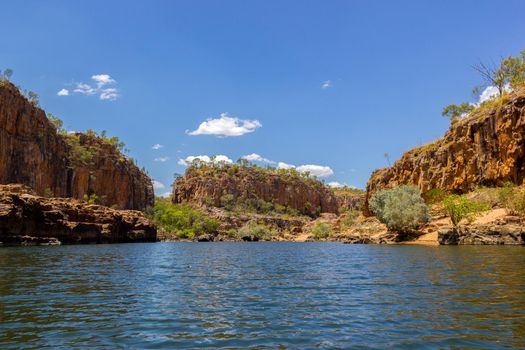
{"x": 207, "y": 185}
{"x": 34, "y": 154}
{"x": 485, "y": 149}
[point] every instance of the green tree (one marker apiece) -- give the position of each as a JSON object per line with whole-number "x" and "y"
{"x": 510, "y": 72}
{"x": 401, "y": 209}
{"x": 454, "y": 111}
{"x": 460, "y": 207}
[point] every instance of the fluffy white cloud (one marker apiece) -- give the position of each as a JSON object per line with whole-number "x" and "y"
{"x": 161, "y": 159}
{"x": 166, "y": 195}
{"x": 101, "y": 80}
{"x": 254, "y": 157}
{"x": 205, "y": 159}
{"x": 109, "y": 94}
{"x": 491, "y": 92}
{"x": 85, "y": 89}
{"x": 158, "y": 185}
{"x": 327, "y": 84}
{"x": 316, "y": 170}
{"x": 63, "y": 92}
{"x": 226, "y": 126}
{"x": 157, "y": 146}
{"x": 283, "y": 165}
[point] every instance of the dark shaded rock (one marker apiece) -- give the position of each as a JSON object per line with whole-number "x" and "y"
{"x": 28, "y": 219}
{"x": 33, "y": 153}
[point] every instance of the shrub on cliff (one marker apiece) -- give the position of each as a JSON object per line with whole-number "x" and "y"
{"x": 512, "y": 198}
{"x": 401, "y": 209}
{"x": 252, "y": 231}
{"x": 321, "y": 230}
{"x": 182, "y": 220}
{"x": 460, "y": 207}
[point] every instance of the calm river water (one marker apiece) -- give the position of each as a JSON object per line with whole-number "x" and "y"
{"x": 261, "y": 295}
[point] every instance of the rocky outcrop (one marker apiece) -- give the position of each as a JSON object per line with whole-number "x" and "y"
{"x": 33, "y": 153}
{"x": 509, "y": 230}
{"x": 350, "y": 200}
{"x": 28, "y": 219}
{"x": 485, "y": 149}
{"x": 221, "y": 185}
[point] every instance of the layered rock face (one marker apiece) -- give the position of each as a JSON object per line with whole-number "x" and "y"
{"x": 34, "y": 154}
{"x": 28, "y": 219}
{"x": 485, "y": 149}
{"x": 211, "y": 184}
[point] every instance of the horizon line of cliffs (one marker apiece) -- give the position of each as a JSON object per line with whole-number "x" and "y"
{"x": 36, "y": 153}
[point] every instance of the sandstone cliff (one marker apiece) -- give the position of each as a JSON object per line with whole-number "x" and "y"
{"x": 64, "y": 165}
{"x": 485, "y": 149}
{"x": 224, "y": 185}
{"x": 28, "y": 219}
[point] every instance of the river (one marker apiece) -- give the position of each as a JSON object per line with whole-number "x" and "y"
{"x": 261, "y": 295}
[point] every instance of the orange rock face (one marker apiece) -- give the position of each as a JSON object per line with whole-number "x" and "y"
{"x": 34, "y": 154}
{"x": 207, "y": 187}
{"x": 485, "y": 149}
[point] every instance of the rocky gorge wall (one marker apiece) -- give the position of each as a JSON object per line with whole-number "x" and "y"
{"x": 208, "y": 186}
{"x": 28, "y": 219}
{"x": 64, "y": 165}
{"x": 486, "y": 148}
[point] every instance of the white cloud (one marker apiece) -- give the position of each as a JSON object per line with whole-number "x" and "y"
{"x": 63, "y": 92}
{"x": 109, "y": 94}
{"x": 205, "y": 159}
{"x": 85, "y": 89}
{"x": 166, "y": 195}
{"x": 157, "y": 146}
{"x": 283, "y": 165}
{"x": 226, "y": 126}
{"x": 254, "y": 157}
{"x": 102, "y": 79}
{"x": 161, "y": 159}
{"x": 491, "y": 92}
{"x": 316, "y": 170}
{"x": 327, "y": 84}
{"x": 158, "y": 185}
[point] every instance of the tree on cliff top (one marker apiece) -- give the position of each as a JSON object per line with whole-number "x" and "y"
{"x": 510, "y": 73}
{"x": 454, "y": 111}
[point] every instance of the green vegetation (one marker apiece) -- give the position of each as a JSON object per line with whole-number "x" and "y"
{"x": 48, "y": 193}
{"x": 79, "y": 155}
{"x": 349, "y": 218}
{"x": 92, "y": 198}
{"x": 434, "y": 196}
{"x": 252, "y": 231}
{"x": 454, "y": 111}
{"x": 321, "y": 230}
{"x": 512, "y": 198}
{"x": 401, "y": 209}
{"x": 459, "y": 207}
{"x": 182, "y": 220}
{"x": 509, "y": 74}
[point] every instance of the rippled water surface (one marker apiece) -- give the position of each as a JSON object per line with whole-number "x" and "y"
{"x": 262, "y": 295}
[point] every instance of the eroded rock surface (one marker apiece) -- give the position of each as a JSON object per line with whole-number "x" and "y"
{"x": 485, "y": 149}
{"x": 34, "y": 154}
{"x": 209, "y": 186}
{"x": 27, "y": 219}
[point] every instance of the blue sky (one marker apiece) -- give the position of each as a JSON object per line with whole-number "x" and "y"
{"x": 329, "y": 83}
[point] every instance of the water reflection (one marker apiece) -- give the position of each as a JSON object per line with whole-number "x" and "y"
{"x": 239, "y": 295}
